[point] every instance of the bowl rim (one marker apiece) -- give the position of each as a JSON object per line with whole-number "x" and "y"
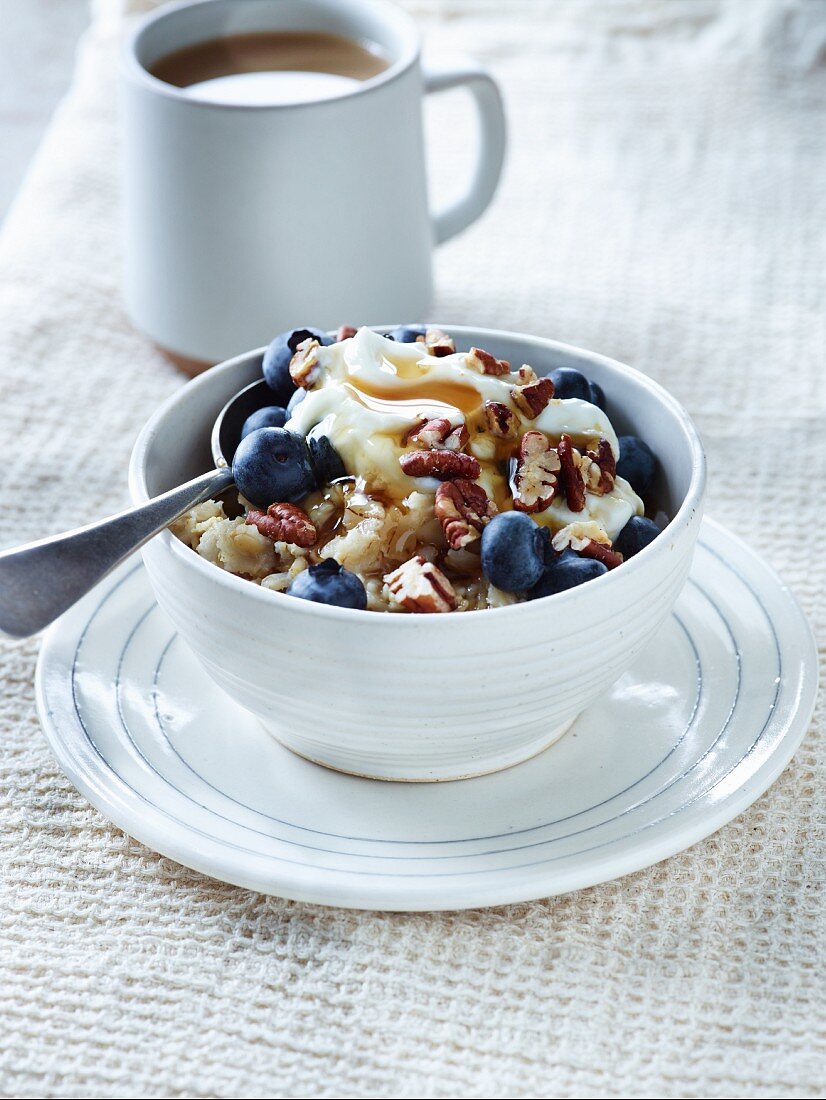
{"x": 683, "y": 518}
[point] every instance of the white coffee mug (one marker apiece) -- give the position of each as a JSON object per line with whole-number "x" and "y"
{"x": 242, "y": 221}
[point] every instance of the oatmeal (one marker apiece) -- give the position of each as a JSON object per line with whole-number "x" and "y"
{"x": 424, "y": 479}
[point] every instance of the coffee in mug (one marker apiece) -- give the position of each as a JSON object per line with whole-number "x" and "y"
{"x": 271, "y": 67}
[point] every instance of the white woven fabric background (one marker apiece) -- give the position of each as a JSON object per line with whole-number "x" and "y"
{"x": 664, "y": 202}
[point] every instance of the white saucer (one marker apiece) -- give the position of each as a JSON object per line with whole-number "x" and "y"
{"x": 704, "y": 722}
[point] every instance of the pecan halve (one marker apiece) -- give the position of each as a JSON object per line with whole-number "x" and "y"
{"x": 590, "y": 540}
{"x": 463, "y": 508}
{"x": 570, "y": 477}
{"x": 501, "y": 420}
{"x": 599, "y": 468}
{"x": 436, "y": 342}
{"x": 534, "y": 397}
{"x": 284, "y": 523}
{"x": 439, "y": 433}
{"x": 304, "y": 364}
{"x": 421, "y": 587}
{"x": 485, "y": 363}
{"x": 534, "y": 480}
{"x": 443, "y": 464}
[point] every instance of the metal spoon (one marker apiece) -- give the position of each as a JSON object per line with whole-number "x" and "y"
{"x": 41, "y": 580}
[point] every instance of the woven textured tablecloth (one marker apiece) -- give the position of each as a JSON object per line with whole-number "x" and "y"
{"x": 664, "y": 202}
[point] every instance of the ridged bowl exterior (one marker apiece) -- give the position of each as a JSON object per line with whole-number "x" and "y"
{"x": 402, "y": 696}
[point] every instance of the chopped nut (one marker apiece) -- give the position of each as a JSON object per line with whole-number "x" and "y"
{"x": 534, "y": 481}
{"x": 429, "y": 433}
{"x": 578, "y": 533}
{"x": 463, "y": 508}
{"x": 526, "y": 375}
{"x": 502, "y": 421}
{"x": 457, "y": 438}
{"x": 534, "y": 397}
{"x": 439, "y": 433}
{"x": 304, "y": 364}
{"x": 443, "y": 464}
{"x": 284, "y": 523}
{"x": 609, "y": 558}
{"x": 436, "y": 342}
{"x": 599, "y": 469}
{"x": 590, "y": 540}
{"x": 421, "y": 587}
{"x": 485, "y": 363}
{"x": 345, "y": 332}
{"x": 571, "y": 479}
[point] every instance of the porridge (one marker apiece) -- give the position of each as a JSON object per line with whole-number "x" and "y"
{"x": 395, "y": 473}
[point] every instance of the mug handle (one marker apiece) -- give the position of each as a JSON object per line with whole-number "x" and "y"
{"x": 465, "y": 72}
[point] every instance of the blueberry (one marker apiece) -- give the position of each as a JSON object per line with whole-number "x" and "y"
{"x": 273, "y": 416}
{"x": 637, "y": 463}
{"x": 406, "y": 334}
{"x": 512, "y": 552}
{"x": 567, "y": 571}
{"x": 549, "y": 555}
{"x": 276, "y": 365}
{"x": 329, "y": 583}
{"x": 295, "y": 400}
{"x": 635, "y": 536}
{"x": 570, "y": 383}
{"x": 272, "y": 464}
{"x": 597, "y": 395}
{"x": 326, "y": 460}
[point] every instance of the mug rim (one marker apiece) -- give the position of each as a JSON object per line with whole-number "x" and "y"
{"x": 132, "y": 67}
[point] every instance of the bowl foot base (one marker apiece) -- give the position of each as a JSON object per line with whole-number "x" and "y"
{"x": 419, "y": 773}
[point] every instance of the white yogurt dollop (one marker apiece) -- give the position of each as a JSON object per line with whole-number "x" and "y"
{"x": 371, "y": 391}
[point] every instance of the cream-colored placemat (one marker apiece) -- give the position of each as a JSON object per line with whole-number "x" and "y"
{"x": 664, "y": 202}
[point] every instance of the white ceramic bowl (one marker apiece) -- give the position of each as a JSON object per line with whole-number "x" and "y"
{"x": 418, "y": 697}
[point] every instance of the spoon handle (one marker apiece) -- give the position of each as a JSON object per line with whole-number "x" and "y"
{"x": 40, "y": 580}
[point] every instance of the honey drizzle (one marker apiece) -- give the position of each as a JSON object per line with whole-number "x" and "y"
{"x": 452, "y": 397}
